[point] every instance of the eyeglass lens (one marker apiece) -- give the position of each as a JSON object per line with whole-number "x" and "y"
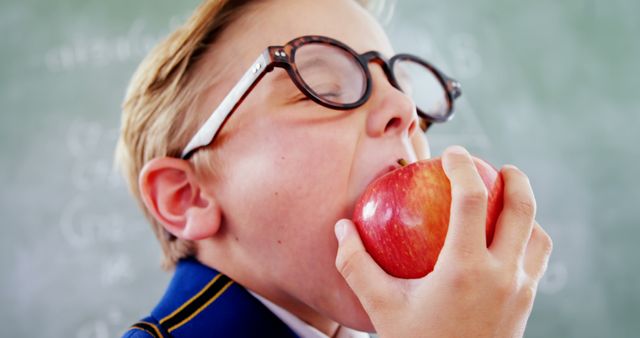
{"x": 331, "y": 73}
{"x": 421, "y": 84}
{"x": 336, "y": 76}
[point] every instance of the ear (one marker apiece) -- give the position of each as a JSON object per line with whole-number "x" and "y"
{"x": 172, "y": 193}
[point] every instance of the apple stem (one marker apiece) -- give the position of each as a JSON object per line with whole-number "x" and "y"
{"x": 403, "y": 162}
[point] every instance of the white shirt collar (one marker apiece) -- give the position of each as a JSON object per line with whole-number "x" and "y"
{"x": 301, "y": 328}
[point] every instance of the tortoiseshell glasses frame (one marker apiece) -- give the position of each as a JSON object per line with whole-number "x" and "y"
{"x": 285, "y": 57}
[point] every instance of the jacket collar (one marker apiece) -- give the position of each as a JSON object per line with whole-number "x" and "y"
{"x": 201, "y": 302}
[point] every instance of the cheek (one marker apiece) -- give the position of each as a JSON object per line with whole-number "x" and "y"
{"x": 285, "y": 182}
{"x": 285, "y": 187}
{"x": 286, "y": 179}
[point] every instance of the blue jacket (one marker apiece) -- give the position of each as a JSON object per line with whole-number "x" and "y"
{"x": 201, "y": 302}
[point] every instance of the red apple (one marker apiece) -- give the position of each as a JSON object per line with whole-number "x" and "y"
{"x": 403, "y": 216}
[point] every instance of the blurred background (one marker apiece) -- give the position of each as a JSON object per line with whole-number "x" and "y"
{"x": 549, "y": 86}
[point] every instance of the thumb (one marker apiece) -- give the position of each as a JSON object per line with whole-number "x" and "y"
{"x": 367, "y": 280}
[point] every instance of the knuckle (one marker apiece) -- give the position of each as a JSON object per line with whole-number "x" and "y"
{"x": 464, "y": 253}
{"x": 348, "y": 266}
{"x": 547, "y": 243}
{"x": 507, "y": 285}
{"x": 375, "y": 303}
{"x": 523, "y": 205}
{"x": 373, "y": 297}
{"x": 543, "y": 241}
{"x": 460, "y": 281}
{"x": 472, "y": 196}
{"x": 527, "y": 294}
{"x": 511, "y": 267}
{"x": 465, "y": 276}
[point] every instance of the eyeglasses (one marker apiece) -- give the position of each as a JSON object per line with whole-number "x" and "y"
{"x": 333, "y": 75}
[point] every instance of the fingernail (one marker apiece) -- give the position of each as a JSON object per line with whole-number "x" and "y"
{"x": 340, "y": 230}
{"x": 457, "y": 150}
{"x": 510, "y": 166}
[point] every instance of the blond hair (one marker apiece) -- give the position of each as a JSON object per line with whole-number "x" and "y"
{"x": 158, "y": 116}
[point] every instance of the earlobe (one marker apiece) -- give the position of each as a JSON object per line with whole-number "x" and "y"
{"x": 172, "y": 193}
{"x": 202, "y": 222}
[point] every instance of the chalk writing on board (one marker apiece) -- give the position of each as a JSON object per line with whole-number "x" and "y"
{"x": 110, "y": 325}
{"x": 82, "y": 227}
{"x": 116, "y": 269}
{"x": 91, "y": 145}
{"x": 466, "y": 60}
{"x": 96, "y": 51}
{"x": 83, "y": 137}
{"x": 92, "y": 52}
{"x": 87, "y": 175}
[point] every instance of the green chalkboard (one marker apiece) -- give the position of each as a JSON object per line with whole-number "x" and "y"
{"x": 551, "y": 86}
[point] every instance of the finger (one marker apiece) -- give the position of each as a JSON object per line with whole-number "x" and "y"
{"x": 538, "y": 252}
{"x": 514, "y": 224}
{"x": 468, "y": 202}
{"x": 367, "y": 280}
{"x": 420, "y": 145}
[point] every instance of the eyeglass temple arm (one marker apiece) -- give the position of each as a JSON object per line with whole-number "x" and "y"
{"x": 229, "y": 104}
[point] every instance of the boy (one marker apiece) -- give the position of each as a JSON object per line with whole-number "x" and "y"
{"x": 244, "y": 200}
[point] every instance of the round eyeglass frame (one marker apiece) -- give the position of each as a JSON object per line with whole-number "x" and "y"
{"x": 286, "y": 54}
{"x": 284, "y": 57}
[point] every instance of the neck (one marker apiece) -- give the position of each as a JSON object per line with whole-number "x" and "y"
{"x": 312, "y": 318}
{"x": 276, "y": 296}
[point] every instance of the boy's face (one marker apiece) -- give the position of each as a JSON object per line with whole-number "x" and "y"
{"x": 290, "y": 168}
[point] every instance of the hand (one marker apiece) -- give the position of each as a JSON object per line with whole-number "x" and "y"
{"x": 474, "y": 291}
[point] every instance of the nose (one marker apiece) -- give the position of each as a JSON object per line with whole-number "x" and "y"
{"x": 389, "y": 110}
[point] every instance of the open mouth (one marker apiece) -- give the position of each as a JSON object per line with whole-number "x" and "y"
{"x": 397, "y": 164}
{"x": 400, "y": 163}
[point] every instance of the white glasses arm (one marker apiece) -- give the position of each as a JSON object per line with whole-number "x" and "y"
{"x": 208, "y": 131}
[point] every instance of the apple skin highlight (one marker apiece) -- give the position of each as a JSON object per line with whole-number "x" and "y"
{"x": 403, "y": 216}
